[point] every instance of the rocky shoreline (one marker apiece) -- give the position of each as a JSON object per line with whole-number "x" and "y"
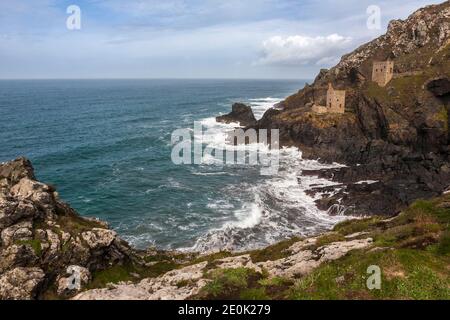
{"x": 394, "y": 141}
{"x": 48, "y": 251}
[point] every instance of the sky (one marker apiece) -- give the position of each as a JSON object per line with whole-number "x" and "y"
{"x": 252, "y": 39}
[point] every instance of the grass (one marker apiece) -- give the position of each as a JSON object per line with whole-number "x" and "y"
{"x": 401, "y": 90}
{"x": 444, "y": 245}
{"x": 35, "y": 244}
{"x": 353, "y": 226}
{"x": 129, "y": 272}
{"x": 414, "y": 260}
{"x": 75, "y": 224}
{"x": 274, "y": 252}
{"x": 244, "y": 284}
{"x": 415, "y": 264}
{"x": 329, "y": 238}
{"x": 114, "y": 274}
{"x": 239, "y": 283}
{"x": 406, "y": 274}
{"x": 212, "y": 258}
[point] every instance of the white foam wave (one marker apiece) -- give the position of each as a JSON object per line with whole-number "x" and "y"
{"x": 272, "y": 209}
{"x": 260, "y": 106}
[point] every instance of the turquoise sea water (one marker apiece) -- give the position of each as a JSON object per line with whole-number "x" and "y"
{"x": 105, "y": 145}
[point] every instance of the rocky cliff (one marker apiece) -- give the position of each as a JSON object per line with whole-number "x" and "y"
{"x": 397, "y": 135}
{"x": 43, "y": 241}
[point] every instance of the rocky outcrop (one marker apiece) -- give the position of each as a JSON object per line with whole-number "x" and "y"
{"x": 303, "y": 259}
{"x": 174, "y": 285}
{"x": 241, "y": 114}
{"x": 188, "y": 281}
{"x": 21, "y": 283}
{"x": 397, "y": 135}
{"x": 42, "y": 238}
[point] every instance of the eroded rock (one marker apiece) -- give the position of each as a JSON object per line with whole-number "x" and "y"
{"x": 40, "y": 237}
{"x": 99, "y": 238}
{"x": 21, "y": 283}
{"x": 303, "y": 261}
{"x": 240, "y": 113}
{"x": 178, "y": 284}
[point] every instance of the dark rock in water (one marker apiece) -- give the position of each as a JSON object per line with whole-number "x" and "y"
{"x": 240, "y": 113}
{"x": 439, "y": 86}
{"x": 41, "y": 236}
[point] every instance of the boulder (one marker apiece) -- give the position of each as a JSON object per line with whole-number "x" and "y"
{"x": 99, "y": 238}
{"x": 20, "y": 231}
{"x": 241, "y": 114}
{"x": 12, "y": 210}
{"x": 165, "y": 287}
{"x": 17, "y": 255}
{"x": 21, "y": 283}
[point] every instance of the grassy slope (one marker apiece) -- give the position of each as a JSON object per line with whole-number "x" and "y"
{"x": 413, "y": 252}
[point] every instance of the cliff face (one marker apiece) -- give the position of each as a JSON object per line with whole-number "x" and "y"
{"x": 397, "y": 134}
{"x": 43, "y": 241}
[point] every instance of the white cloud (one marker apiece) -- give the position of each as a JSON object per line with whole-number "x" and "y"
{"x": 303, "y": 50}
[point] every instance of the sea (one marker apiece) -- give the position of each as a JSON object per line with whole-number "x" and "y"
{"x": 106, "y": 146}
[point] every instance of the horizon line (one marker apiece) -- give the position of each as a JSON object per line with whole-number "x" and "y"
{"x": 152, "y": 78}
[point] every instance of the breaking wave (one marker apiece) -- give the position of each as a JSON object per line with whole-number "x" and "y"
{"x": 269, "y": 208}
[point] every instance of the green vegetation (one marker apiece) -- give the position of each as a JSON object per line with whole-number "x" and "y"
{"x": 374, "y": 91}
{"x": 35, "y": 244}
{"x": 401, "y": 90}
{"x": 406, "y": 274}
{"x": 412, "y": 251}
{"x": 76, "y": 224}
{"x": 130, "y": 272}
{"x": 274, "y": 252}
{"x": 353, "y": 226}
{"x": 212, "y": 258}
{"x": 414, "y": 262}
{"x": 240, "y": 283}
{"x": 329, "y": 238}
{"x": 114, "y": 274}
